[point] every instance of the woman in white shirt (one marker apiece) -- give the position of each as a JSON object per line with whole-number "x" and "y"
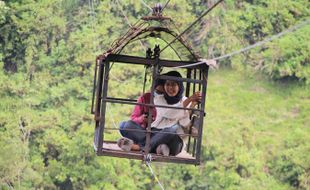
{"x": 168, "y": 121}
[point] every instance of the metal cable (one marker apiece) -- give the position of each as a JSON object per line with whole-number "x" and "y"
{"x": 189, "y": 27}
{"x": 251, "y": 46}
{"x": 148, "y": 163}
{"x": 165, "y": 6}
{"x": 265, "y": 40}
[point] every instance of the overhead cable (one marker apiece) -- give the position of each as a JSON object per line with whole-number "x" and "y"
{"x": 265, "y": 40}
{"x": 165, "y": 5}
{"x": 250, "y": 46}
{"x": 189, "y": 27}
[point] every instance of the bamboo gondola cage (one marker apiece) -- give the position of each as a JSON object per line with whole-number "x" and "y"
{"x": 195, "y": 79}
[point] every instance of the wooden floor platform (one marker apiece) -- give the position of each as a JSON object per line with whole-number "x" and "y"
{"x": 112, "y": 149}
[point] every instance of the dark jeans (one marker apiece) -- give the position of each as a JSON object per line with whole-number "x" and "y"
{"x": 137, "y": 136}
{"x": 160, "y": 136}
{"x": 173, "y": 141}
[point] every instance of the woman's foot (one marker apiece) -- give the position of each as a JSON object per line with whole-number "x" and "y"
{"x": 135, "y": 147}
{"x": 163, "y": 149}
{"x": 127, "y": 144}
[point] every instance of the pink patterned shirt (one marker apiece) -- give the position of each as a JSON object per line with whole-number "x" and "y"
{"x": 140, "y": 111}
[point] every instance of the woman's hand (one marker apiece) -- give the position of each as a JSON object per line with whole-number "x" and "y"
{"x": 145, "y": 119}
{"x": 196, "y": 97}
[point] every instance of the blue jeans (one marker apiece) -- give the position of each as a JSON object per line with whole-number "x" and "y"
{"x": 137, "y": 136}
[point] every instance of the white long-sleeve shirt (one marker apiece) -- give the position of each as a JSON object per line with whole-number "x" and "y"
{"x": 167, "y": 117}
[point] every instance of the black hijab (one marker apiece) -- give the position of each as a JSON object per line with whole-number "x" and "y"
{"x": 174, "y": 99}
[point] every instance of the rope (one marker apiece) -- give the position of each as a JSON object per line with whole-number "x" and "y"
{"x": 126, "y": 18}
{"x": 148, "y": 163}
{"x": 146, "y": 5}
{"x": 92, "y": 13}
{"x": 111, "y": 116}
{"x": 128, "y": 22}
{"x": 212, "y": 63}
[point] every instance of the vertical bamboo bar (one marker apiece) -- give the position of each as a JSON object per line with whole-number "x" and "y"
{"x": 194, "y": 88}
{"x": 98, "y": 103}
{"x": 103, "y": 106}
{"x": 204, "y": 77}
{"x": 154, "y": 78}
{"x": 94, "y": 85}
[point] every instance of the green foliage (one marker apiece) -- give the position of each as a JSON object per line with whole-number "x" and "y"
{"x": 289, "y": 57}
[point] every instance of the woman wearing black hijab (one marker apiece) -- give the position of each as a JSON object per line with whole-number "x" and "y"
{"x": 168, "y": 120}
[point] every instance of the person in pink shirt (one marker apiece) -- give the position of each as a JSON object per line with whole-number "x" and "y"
{"x": 138, "y": 121}
{"x": 140, "y": 112}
